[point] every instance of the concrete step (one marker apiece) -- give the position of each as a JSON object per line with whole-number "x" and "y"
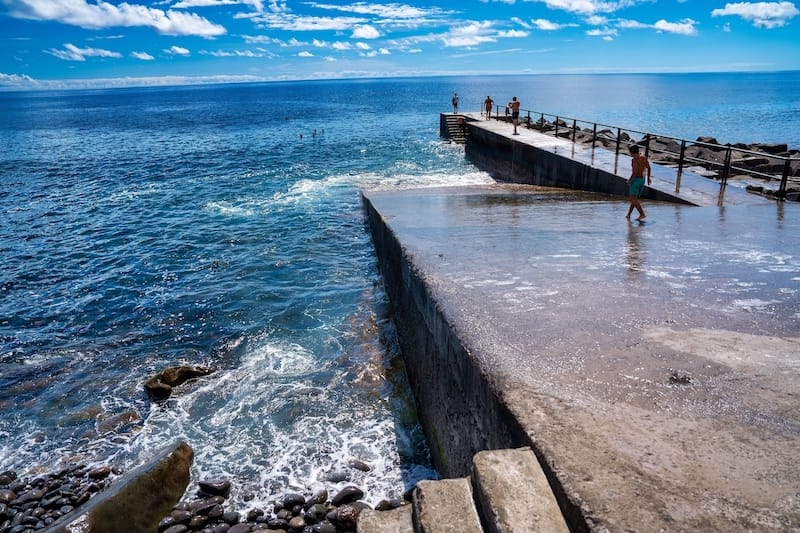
{"x": 513, "y": 494}
{"x": 507, "y": 488}
{"x": 445, "y": 506}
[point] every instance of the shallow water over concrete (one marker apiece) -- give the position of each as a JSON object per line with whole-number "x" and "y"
{"x": 654, "y": 365}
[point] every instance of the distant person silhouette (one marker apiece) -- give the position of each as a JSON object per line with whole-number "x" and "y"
{"x": 640, "y": 167}
{"x": 487, "y": 105}
{"x": 455, "y": 102}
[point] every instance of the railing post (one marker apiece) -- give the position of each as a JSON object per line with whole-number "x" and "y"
{"x": 556, "y": 132}
{"x": 619, "y": 134}
{"x": 574, "y": 127}
{"x": 784, "y": 178}
{"x": 726, "y": 170}
{"x": 680, "y": 166}
{"x": 647, "y": 145}
{"x": 541, "y": 123}
{"x": 594, "y": 135}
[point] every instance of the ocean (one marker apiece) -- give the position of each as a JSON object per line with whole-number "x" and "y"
{"x": 222, "y": 226}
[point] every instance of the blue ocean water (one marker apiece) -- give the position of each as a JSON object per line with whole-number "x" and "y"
{"x": 222, "y": 226}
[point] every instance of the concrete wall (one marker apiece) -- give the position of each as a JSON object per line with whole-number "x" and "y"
{"x": 507, "y": 159}
{"x": 459, "y": 409}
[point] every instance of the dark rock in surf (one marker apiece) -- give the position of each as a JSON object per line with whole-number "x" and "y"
{"x": 347, "y": 495}
{"x": 160, "y": 386}
{"x": 221, "y": 487}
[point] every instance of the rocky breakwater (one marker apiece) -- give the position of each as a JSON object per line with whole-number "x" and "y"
{"x": 760, "y": 165}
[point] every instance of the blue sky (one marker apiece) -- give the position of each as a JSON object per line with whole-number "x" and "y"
{"x": 92, "y": 43}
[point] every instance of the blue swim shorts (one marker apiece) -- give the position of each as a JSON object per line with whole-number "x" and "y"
{"x": 636, "y": 187}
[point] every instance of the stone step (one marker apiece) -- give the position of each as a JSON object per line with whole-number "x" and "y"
{"x": 445, "y": 506}
{"x": 513, "y": 494}
{"x": 507, "y": 488}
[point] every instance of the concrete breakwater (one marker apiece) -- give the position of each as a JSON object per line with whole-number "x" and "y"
{"x": 763, "y": 166}
{"x": 625, "y": 356}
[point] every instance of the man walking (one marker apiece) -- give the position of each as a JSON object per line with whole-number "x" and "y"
{"x": 455, "y": 102}
{"x": 514, "y": 105}
{"x": 640, "y": 167}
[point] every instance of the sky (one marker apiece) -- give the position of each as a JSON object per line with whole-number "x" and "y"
{"x": 55, "y": 44}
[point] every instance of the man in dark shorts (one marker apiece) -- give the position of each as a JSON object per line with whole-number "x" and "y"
{"x": 514, "y": 106}
{"x": 640, "y": 167}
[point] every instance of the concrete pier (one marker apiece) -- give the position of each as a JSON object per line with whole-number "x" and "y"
{"x": 535, "y": 158}
{"x": 653, "y": 369}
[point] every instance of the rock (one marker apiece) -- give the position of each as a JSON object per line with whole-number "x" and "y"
{"x": 138, "y": 501}
{"x": 220, "y": 487}
{"x": 321, "y": 496}
{"x": 239, "y": 528}
{"x": 707, "y": 140}
{"x": 160, "y": 386}
{"x": 770, "y": 148}
{"x": 359, "y": 465}
{"x": 100, "y": 473}
{"x": 338, "y": 476}
{"x": 292, "y": 499}
{"x": 117, "y": 421}
{"x": 297, "y": 522}
{"x": 347, "y": 495}
{"x": 346, "y": 517}
{"x": 177, "y": 528}
{"x": 316, "y": 513}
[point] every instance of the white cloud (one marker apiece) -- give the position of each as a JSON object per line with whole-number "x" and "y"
{"x": 606, "y": 33}
{"x": 236, "y": 53}
{"x": 342, "y": 45}
{"x": 597, "y": 20}
{"x": 305, "y": 54}
{"x": 512, "y": 34}
{"x": 258, "y": 5}
{"x": 547, "y": 25}
{"x": 363, "y": 46}
{"x": 684, "y": 27}
{"x": 13, "y": 80}
{"x": 761, "y": 14}
{"x": 632, "y": 24}
{"x": 177, "y": 51}
{"x": 365, "y": 32}
{"x": 74, "y": 53}
{"x": 144, "y": 56}
{"x": 588, "y": 7}
{"x": 297, "y": 23}
{"x": 389, "y": 11}
{"x": 471, "y": 34}
{"x": 106, "y": 15}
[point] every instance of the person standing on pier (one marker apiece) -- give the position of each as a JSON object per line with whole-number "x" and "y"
{"x": 487, "y": 105}
{"x": 514, "y": 105}
{"x": 455, "y": 102}
{"x": 640, "y": 167}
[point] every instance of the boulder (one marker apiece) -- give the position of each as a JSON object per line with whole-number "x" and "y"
{"x": 160, "y": 386}
{"x": 770, "y": 148}
{"x": 139, "y": 500}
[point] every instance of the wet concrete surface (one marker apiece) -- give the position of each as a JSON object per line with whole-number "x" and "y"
{"x": 655, "y": 366}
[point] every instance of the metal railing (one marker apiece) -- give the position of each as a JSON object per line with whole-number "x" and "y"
{"x": 716, "y": 160}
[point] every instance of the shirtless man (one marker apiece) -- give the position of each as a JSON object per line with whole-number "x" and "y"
{"x": 640, "y": 167}
{"x": 487, "y": 105}
{"x": 514, "y": 106}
